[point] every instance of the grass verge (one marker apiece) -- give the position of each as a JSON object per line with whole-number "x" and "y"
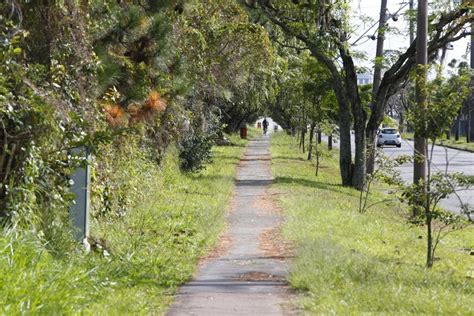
{"x": 351, "y": 263}
{"x": 461, "y": 144}
{"x": 141, "y": 256}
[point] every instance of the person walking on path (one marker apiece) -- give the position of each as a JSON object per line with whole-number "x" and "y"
{"x": 265, "y": 126}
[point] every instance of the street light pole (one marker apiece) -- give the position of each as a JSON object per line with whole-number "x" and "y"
{"x": 419, "y": 166}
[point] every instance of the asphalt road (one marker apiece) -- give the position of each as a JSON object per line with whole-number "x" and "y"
{"x": 444, "y": 159}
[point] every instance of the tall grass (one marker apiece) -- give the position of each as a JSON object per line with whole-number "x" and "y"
{"x": 352, "y": 263}
{"x": 150, "y": 249}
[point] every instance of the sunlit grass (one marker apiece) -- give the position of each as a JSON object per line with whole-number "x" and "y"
{"x": 347, "y": 262}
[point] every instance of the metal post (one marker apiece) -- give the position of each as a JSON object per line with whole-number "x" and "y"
{"x": 419, "y": 166}
{"x": 79, "y": 210}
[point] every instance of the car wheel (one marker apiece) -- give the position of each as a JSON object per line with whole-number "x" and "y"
{"x": 399, "y": 145}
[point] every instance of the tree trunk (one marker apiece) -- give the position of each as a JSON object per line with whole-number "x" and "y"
{"x": 302, "y": 140}
{"x": 457, "y": 128}
{"x": 358, "y": 177}
{"x": 319, "y": 136}
{"x": 318, "y": 156}
{"x": 345, "y": 154}
{"x": 310, "y": 146}
{"x": 359, "y": 117}
{"x": 330, "y": 142}
{"x": 371, "y": 139}
{"x": 429, "y": 241}
{"x": 337, "y": 83}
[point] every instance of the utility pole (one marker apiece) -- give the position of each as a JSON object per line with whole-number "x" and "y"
{"x": 377, "y": 74}
{"x": 470, "y": 105}
{"x": 412, "y": 22}
{"x": 419, "y": 166}
{"x": 379, "y": 49}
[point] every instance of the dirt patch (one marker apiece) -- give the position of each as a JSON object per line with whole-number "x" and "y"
{"x": 273, "y": 245}
{"x": 260, "y": 276}
{"x": 264, "y": 205}
{"x": 271, "y": 241}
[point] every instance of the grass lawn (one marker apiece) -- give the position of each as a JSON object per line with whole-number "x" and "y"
{"x": 150, "y": 250}
{"x": 352, "y": 263}
{"x": 460, "y": 144}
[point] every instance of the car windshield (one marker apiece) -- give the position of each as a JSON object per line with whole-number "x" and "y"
{"x": 389, "y": 131}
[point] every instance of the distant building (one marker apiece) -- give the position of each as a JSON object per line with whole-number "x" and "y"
{"x": 364, "y": 78}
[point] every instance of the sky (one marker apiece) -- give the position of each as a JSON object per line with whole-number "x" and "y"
{"x": 371, "y": 8}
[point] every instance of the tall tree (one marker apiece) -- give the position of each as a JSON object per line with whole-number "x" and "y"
{"x": 323, "y": 27}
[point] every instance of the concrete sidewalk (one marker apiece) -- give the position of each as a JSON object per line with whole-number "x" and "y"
{"x": 249, "y": 276}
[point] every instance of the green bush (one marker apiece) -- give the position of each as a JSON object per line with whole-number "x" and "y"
{"x": 195, "y": 152}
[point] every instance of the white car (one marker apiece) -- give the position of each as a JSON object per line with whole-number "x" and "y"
{"x": 389, "y": 136}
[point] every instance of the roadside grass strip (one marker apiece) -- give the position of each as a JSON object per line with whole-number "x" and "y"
{"x": 352, "y": 263}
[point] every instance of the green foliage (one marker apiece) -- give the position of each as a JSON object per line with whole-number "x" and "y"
{"x": 445, "y": 97}
{"x": 138, "y": 64}
{"x": 305, "y": 95}
{"x": 386, "y": 172}
{"x": 432, "y": 120}
{"x": 229, "y": 59}
{"x": 424, "y": 198}
{"x": 34, "y": 158}
{"x": 195, "y": 151}
{"x": 119, "y": 174}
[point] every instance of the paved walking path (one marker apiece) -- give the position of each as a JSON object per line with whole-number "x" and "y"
{"x": 249, "y": 278}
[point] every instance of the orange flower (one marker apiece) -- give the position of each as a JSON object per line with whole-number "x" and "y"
{"x": 155, "y": 102}
{"x": 114, "y": 114}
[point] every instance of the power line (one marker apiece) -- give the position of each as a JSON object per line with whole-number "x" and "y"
{"x": 394, "y": 16}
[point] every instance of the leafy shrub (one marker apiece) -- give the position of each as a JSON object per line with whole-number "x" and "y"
{"x": 195, "y": 152}
{"x": 120, "y": 175}
{"x": 34, "y": 161}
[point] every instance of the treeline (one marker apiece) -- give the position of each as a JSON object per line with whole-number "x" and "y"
{"x": 118, "y": 75}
